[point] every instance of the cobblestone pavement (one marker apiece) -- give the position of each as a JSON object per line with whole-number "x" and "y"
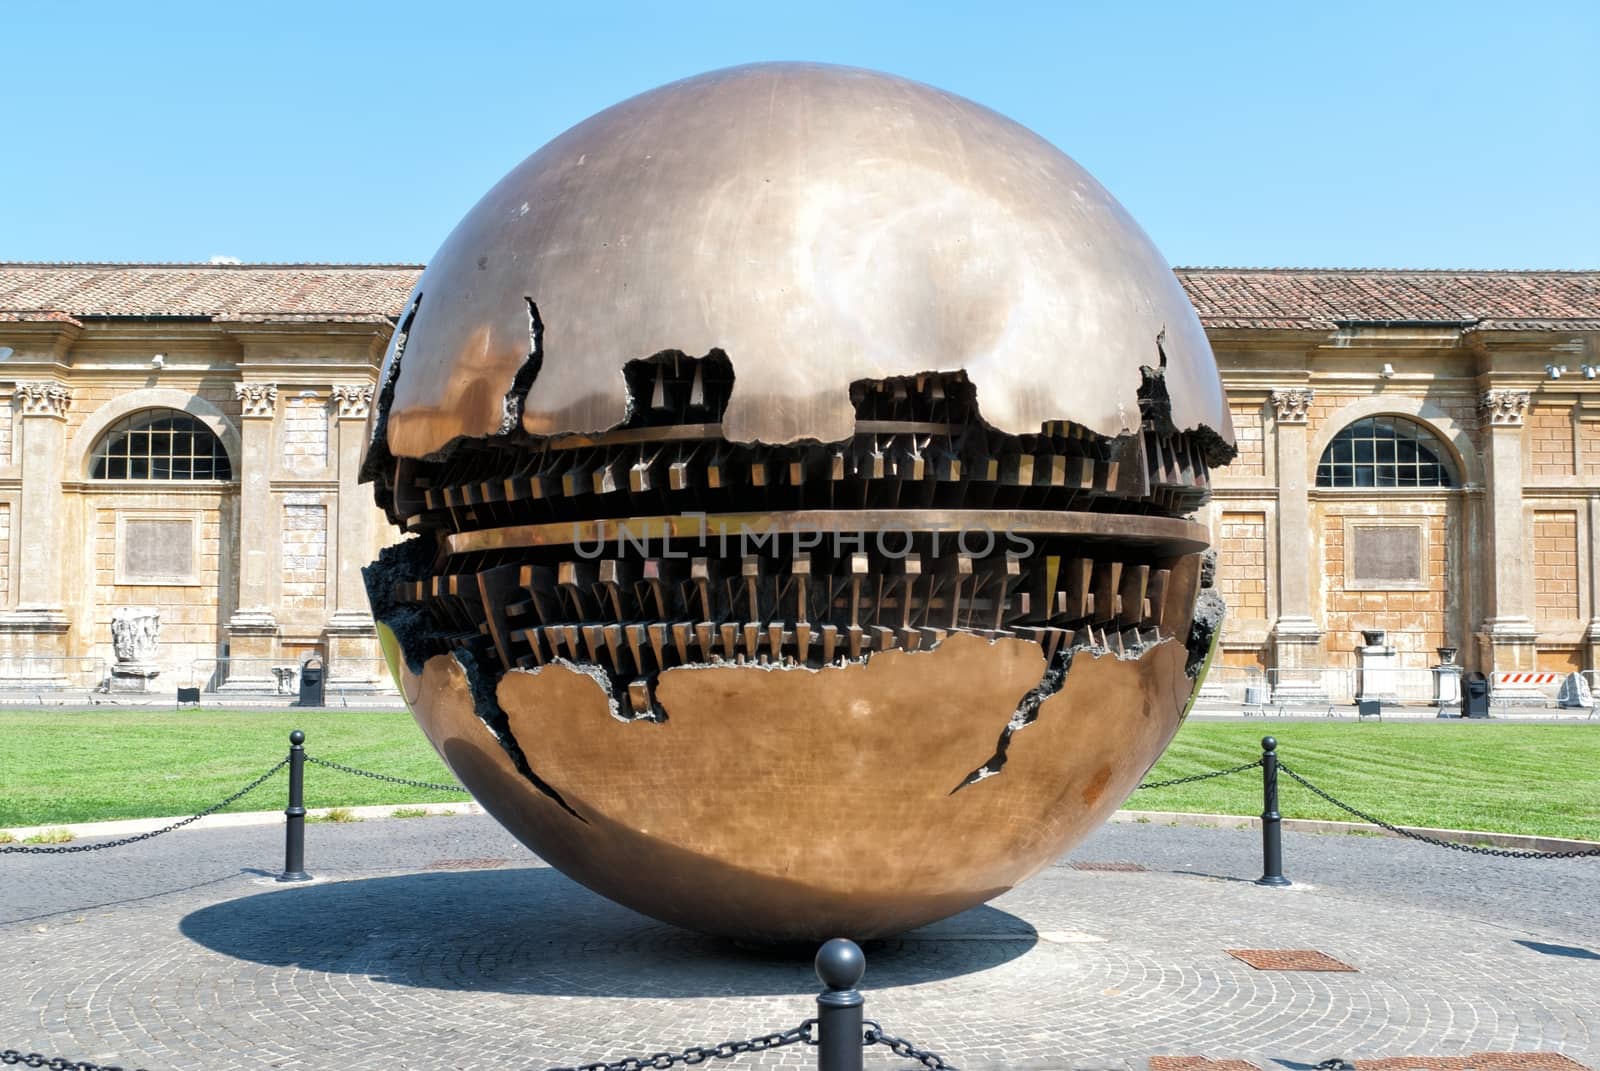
{"x": 439, "y": 943}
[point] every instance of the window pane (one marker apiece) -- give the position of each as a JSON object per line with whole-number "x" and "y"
{"x": 160, "y": 445}
{"x": 1384, "y": 451}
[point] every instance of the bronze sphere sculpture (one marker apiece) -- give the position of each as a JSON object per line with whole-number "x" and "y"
{"x": 798, "y": 462}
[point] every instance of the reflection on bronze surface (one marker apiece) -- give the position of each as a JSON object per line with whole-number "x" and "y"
{"x": 785, "y": 805}
{"x": 799, "y": 462}
{"x": 819, "y": 225}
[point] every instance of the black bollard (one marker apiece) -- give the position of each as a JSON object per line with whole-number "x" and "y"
{"x": 840, "y": 965}
{"x": 1271, "y": 821}
{"x": 294, "y": 835}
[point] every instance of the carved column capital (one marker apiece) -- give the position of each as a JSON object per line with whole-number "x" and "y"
{"x": 1292, "y": 404}
{"x": 1505, "y": 408}
{"x": 44, "y": 398}
{"x": 354, "y": 400}
{"x": 256, "y": 399}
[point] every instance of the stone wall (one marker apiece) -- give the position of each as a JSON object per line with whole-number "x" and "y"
{"x": 305, "y": 556}
{"x": 1589, "y": 447}
{"x": 1414, "y": 614}
{"x": 1242, "y": 565}
{"x": 5, "y": 554}
{"x": 7, "y": 428}
{"x": 1547, "y": 438}
{"x": 1247, "y": 431}
{"x": 1554, "y": 554}
{"x": 305, "y": 433}
{"x": 190, "y": 617}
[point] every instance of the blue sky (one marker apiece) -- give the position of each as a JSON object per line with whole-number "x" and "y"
{"x": 1375, "y": 135}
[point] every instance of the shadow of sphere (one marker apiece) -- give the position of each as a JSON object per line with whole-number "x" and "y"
{"x": 533, "y": 931}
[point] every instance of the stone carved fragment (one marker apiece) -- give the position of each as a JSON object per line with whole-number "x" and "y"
{"x": 1292, "y": 405}
{"x": 256, "y": 400}
{"x": 353, "y": 400}
{"x": 1505, "y": 407}
{"x": 44, "y": 399}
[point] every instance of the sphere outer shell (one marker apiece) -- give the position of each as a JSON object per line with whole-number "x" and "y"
{"x": 818, "y": 224}
{"x": 857, "y": 762}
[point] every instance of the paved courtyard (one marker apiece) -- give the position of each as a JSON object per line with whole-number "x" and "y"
{"x": 439, "y": 943}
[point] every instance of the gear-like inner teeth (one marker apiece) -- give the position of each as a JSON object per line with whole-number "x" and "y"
{"x": 660, "y": 544}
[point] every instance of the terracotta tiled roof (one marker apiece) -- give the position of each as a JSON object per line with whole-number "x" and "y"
{"x": 254, "y": 292}
{"x": 1292, "y": 298}
{"x": 1326, "y": 298}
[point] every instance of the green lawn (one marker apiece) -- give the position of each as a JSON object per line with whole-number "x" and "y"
{"x": 84, "y": 766}
{"x": 1493, "y": 775}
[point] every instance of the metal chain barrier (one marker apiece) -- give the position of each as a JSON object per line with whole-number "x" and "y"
{"x": 342, "y": 768}
{"x": 871, "y": 1034}
{"x": 874, "y": 1035}
{"x": 698, "y": 1054}
{"x": 54, "y": 1063}
{"x": 1504, "y": 853}
{"x": 68, "y": 849}
{"x": 1198, "y": 777}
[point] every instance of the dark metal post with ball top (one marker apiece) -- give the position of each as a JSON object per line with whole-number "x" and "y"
{"x": 1271, "y": 821}
{"x": 294, "y": 836}
{"x": 840, "y": 965}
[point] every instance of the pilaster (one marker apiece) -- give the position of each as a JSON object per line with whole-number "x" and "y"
{"x": 253, "y": 629}
{"x": 1297, "y": 641}
{"x": 1591, "y": 635}
{"x": 38, "y": 626}
{"x": 1507, "y": 639}
{"x": 354, "y": 660}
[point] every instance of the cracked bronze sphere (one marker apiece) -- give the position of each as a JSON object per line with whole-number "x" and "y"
{"x": 798, "y": 463}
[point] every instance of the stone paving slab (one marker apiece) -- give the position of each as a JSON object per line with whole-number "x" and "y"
{"x": 438, "y": 943}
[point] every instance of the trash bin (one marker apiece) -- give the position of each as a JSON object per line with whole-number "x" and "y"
{"x": 1476, "y": 704}
{"x": 311, "y": 682}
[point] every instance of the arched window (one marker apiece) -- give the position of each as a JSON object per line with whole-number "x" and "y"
{"x": 159, "y": 444}
{"x": 1385, "y": 451}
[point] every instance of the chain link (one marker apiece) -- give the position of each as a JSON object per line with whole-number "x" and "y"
{"x": 699, "y": 1054}
{"x": 54, "y": 1063}
{"x": 872, "y": 1034}
{"x": 1504, "y": 853}
{"x": 1198, "y": 777}
{"x": 68, "y": 849}
{"x": 342, "y": 768}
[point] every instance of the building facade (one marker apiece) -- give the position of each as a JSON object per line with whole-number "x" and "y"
{"x": 1419, "y": 452}
{"x": 185, "y": 440}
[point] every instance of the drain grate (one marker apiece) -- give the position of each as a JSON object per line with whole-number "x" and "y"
{"x": 1288, "y": 959}
{"x": 1119, "y": 867}
{"x": 1478, "y": 1061}
{"x": 466, "y": 864}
